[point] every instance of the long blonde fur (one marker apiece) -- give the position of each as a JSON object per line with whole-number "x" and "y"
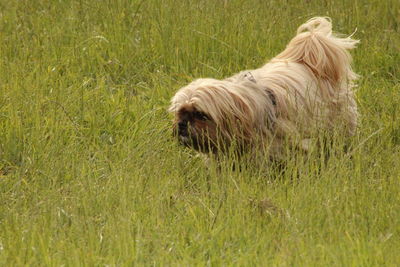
{"x": 311, "y": 82}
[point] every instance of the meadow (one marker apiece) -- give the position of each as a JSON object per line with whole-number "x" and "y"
{"x": 90, "y": 174}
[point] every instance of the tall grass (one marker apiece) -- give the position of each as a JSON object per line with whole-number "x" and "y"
{"x": 89, "y": 171}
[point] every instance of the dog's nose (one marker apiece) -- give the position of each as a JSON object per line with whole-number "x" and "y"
{"x": 182, "y": 128}
{"x": 182, "y": 124}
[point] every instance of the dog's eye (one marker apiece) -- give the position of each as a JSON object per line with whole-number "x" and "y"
{"x": 200, "y": 116}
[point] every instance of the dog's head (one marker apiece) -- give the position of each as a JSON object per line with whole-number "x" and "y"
{"x": 210, "y": 114}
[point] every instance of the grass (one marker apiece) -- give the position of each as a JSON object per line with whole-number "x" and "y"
{"x": 90, "y": 174}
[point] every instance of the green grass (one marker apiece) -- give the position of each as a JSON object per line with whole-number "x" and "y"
{"x": 90, "y": 174}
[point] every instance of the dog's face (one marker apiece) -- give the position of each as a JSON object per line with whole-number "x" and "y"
{"x": 195, "y": 128}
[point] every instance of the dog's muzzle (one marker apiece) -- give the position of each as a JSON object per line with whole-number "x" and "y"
{"x": 183, "y": 129}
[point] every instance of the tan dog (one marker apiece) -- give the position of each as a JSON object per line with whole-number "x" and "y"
{"x": 304, "y": 90}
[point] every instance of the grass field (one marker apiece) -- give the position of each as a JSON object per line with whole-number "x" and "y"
{"x": 90, "y": 174}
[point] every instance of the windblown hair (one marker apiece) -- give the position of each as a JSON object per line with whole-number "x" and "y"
{"x": 323, "y": 52}
{"x": 304, "y": 89}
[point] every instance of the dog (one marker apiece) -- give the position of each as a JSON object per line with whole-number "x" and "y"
{"x": 303, "y": 91}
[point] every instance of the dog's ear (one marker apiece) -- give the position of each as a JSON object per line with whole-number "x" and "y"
{"x": 239, "y": 119}
{"x": 248, "y": 115}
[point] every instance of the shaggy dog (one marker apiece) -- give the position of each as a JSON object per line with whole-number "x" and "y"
{"x": 303, "y": 91}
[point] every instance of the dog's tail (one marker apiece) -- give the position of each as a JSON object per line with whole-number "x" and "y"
{"x": 325, "y": 53}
